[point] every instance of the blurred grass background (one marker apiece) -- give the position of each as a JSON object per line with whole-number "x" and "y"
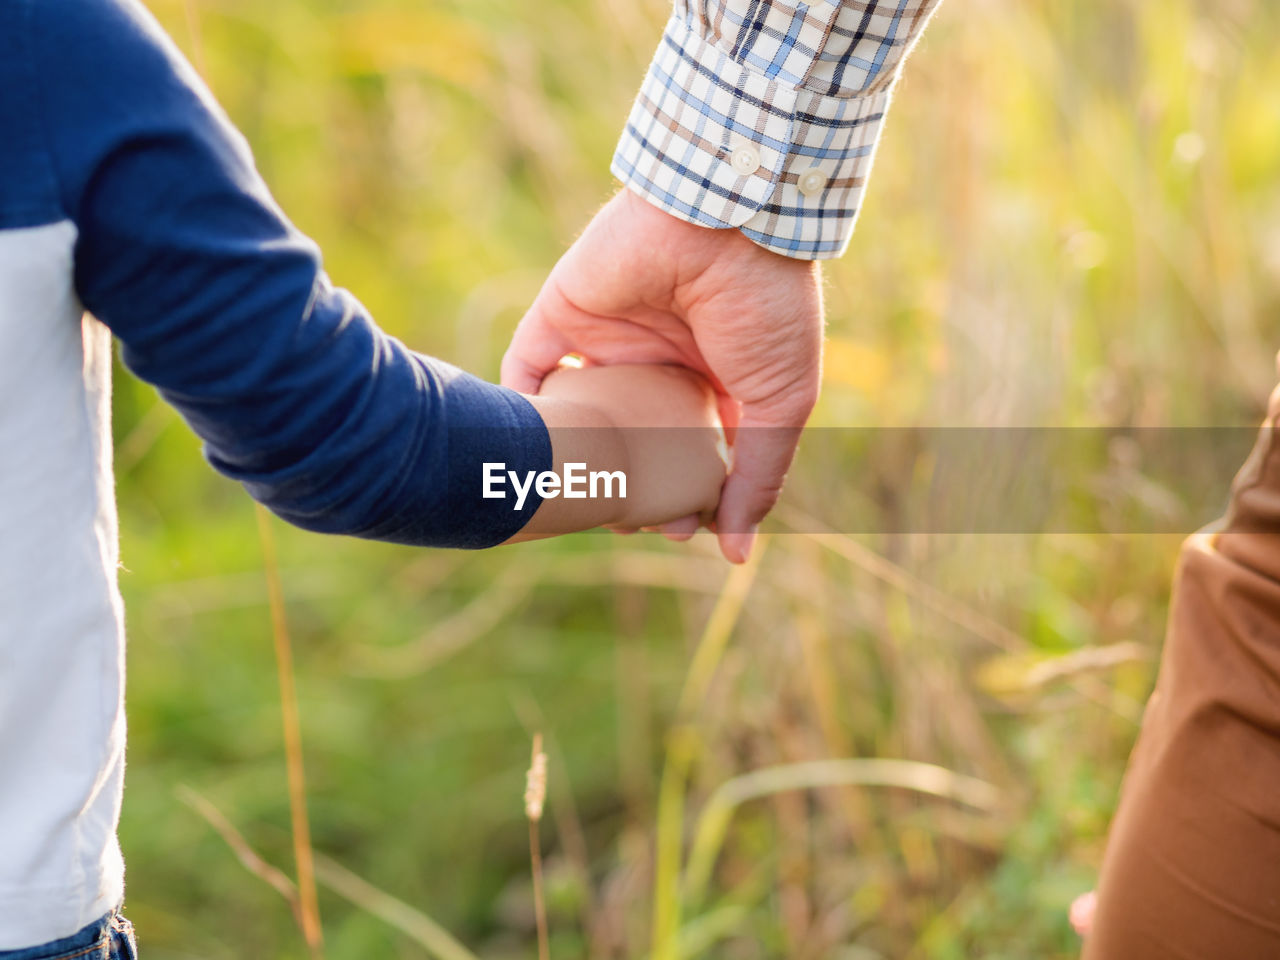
{"x": 1074, "y": 220}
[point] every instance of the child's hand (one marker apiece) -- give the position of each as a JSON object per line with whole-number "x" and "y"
{"x": 656, "y": 424}
{"x": 668, "y": 421}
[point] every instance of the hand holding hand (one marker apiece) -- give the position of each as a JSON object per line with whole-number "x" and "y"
{"x": 641, "y": 286}
{"x": 656, "y": 426}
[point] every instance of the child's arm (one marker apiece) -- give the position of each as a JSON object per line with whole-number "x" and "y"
{"x": 224, "y": 306}
{"x": 655, "y": 425}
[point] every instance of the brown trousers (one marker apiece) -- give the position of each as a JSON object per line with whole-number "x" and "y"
{"x": 1192, "y": 868}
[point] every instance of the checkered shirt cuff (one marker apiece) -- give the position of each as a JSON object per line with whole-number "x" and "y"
{"x": 716, "y": 143}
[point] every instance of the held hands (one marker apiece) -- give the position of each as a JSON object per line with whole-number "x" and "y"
{"x": 655, "y": 425}
{"x": 641, "y": 286}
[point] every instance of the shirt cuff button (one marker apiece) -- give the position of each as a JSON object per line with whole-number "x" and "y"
{"x": 812, "y": 181}
{"x": 745, "y": 160}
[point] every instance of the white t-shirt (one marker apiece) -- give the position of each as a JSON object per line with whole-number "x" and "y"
{"x": 62, "y": 723}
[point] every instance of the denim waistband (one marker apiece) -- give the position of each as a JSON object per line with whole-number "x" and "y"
{"x": 80, "y": 943}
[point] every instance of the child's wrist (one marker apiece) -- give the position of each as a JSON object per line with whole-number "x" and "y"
{"x": 591, "y": 461}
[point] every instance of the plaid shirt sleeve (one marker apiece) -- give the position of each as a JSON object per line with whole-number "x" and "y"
{"x": 764, "y": 115}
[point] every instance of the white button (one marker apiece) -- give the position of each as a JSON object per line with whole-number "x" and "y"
{"x": 812, "y": 181}
{"x": 745, "y": 160}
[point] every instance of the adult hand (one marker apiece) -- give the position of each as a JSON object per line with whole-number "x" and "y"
{"x": 641, "y": 286}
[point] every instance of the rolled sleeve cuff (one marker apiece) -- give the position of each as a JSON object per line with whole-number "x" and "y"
{"x": 486, "y": 424}
{"x": 715, "y": 143}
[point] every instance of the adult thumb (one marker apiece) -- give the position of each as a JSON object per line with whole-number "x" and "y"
{"x": 536, "y": 348}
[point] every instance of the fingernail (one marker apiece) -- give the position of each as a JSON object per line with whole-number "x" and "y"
{"x": 747, "y": 542}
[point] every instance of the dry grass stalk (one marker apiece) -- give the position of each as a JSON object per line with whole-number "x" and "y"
{"x": 535, "y": 796}
{"x": 300, "y": 829}
{"x": 947, "y": 606}
{"x": 247, "y": 856}
{"x": 410, "y": 921}
{"x": 535, "y": 782}
{"x": 923, "y": 778}
{"x": 454, "y": 633}
{"x": 887, "y": 571}
{"x": 568, "y": 824}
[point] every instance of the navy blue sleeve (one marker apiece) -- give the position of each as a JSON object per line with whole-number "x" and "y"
{"x": 224, "y": 306}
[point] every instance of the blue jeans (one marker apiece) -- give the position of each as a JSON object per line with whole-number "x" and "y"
{"x": 110, "y": 938}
